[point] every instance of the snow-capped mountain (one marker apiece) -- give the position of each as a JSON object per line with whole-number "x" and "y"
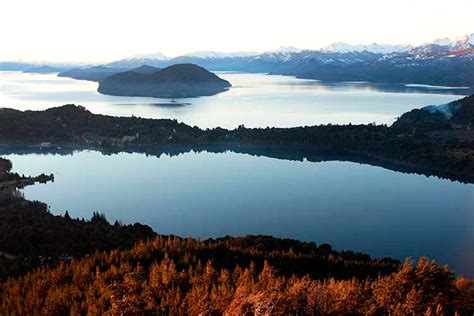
{"x": 285, "y": 50}
{"x": 436, "y": 46}
{"x": 217, "y": 55}
{"x": 442, "y": 42}
{"x": 462, "y": 47}
{"x": 336, "y": 53}
{"x": 281, "y": 54}
{"x": 155, "y": 59}
{"x": 464, "y": 42}
{"x": 155, "y": 56}
{"x": 375, "y": 48}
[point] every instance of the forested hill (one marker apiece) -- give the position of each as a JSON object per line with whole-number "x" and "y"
{"x": 31, "y": 236}
{"x": 456, "y": 116}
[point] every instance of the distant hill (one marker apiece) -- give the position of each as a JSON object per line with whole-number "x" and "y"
{"x": 43, "y": 70}
{"x": 14, "y": 66}
{"x": 96, "y": 73}
{"x": 35, "y": 67}
{"x": 176, "y": 81}
{"x": 456, "y": 115}
{"x": 145, "y": 69}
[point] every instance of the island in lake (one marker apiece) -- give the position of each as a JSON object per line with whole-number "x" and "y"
{"x": 176, "y": 81}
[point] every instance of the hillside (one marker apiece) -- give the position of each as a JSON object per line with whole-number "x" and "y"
{"x": 42, "y": 70}
{"x": 177, "y": 81}
{"x": 455, "y": 116}
{"x": 96, "y": 73}
{"x": 145, "y": 69}
{"x": 175, "y": 276}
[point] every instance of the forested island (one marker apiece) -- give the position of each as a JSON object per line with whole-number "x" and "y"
{"x": 176, "y": 81}
{"x": 56, "y": 265}
{"x": 432, "y": 141}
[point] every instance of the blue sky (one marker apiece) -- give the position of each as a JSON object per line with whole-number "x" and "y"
{"x": 94, "y": 31}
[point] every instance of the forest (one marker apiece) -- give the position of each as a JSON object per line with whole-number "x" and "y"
{"x": 233, "y": 276}
{"x": 32, "y": 236}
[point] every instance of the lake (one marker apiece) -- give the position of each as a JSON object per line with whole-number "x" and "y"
{"x": 255, "y": 100}
{"x": 349, "y": 205}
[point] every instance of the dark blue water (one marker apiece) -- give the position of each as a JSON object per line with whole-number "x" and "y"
{"x": 349, "y": 205}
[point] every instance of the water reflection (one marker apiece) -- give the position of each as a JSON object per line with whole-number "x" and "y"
{"x": 277, "y": 152}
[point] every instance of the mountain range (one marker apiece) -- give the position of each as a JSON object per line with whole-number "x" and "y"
{"x": 441, "y": 62}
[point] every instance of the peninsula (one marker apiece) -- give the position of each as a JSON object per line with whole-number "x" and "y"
{"x": 413, "y": 143}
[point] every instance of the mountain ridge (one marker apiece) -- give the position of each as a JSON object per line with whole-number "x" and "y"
{"x": 443, "y": 62}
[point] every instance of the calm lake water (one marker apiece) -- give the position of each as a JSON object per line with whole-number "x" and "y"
{"x": 349, "y": 205}
{"x": 255, "y": 100}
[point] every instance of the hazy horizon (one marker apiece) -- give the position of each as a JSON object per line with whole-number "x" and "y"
{"x": 89, "y": 31}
